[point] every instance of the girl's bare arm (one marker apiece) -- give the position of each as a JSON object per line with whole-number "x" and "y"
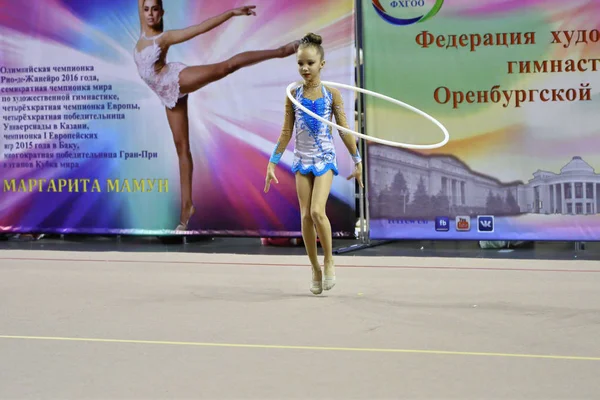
{"x": 286, "y": 132}
{"x": 183, "y": 35}
{"x": 340, "y": 117}
{"x": 141, "y": 12}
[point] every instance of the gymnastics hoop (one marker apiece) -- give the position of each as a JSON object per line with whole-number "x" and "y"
{"x": 370, "y": 138}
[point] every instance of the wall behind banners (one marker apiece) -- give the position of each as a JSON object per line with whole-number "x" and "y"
{"x": 517, "y": 85}
{"x": 48, "y": 181}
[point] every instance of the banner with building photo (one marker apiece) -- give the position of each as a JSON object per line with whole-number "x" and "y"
{"x": 87, "y": 147}
{"x": 517, "y": 86}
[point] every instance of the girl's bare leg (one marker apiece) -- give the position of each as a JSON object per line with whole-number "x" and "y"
{"x": 179, "y": 123}
{"x": 304, "y": 188}
{"x": 196, "y": 77}
{"x": 320, "y": 194}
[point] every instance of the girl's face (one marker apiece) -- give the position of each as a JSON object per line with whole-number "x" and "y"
{"x": 309, "y": 63}
{"x": 153, "y": 12}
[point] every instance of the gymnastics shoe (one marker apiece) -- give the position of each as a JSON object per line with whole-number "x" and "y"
{"x": 316, "y": 287}
{"x": 329, "y": 281}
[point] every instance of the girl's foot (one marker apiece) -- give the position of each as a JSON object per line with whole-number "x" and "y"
{"x": 316, "y": 286}
{"x": 185, "y": 218}
{"x": 329, "y": 281}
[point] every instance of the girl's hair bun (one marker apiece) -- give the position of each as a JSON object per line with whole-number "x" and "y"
{"x": 312, "y": 38}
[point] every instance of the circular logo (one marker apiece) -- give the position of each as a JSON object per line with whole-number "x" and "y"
{"x": 406, "y": 4}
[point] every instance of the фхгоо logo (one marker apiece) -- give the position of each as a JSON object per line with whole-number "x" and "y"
{"x": 407, "y": 5}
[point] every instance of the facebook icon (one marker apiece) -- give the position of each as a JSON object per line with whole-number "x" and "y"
{"x": 485, "y": 223}
{"x": 442, "y": 224}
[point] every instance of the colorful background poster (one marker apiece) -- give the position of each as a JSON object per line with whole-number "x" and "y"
{"x": 86, "y": 146}
{"x": 517, "y": 85}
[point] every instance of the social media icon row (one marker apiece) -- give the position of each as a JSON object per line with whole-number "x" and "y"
{"x": 485, "y": 223}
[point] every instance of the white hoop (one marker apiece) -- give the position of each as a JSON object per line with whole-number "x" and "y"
{"x": 370, "y": 138}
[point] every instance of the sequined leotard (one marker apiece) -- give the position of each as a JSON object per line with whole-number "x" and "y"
{"x": 314, "y": 150}
{"x": 165, "y": 83}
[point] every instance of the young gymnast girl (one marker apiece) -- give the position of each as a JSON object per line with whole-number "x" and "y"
{"x": 315, "y": 161}
{"x": 173, "y": 81}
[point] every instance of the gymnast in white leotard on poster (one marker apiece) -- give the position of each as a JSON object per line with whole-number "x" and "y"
{"x": 173, "y": 81}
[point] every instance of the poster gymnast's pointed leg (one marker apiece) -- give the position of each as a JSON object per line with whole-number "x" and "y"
{"x": 179, "y": 124}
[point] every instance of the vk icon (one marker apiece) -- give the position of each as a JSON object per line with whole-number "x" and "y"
{"x": 485, "y": 223}
{"x": 442, "y": 224}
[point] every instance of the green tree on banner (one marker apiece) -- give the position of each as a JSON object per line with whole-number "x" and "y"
{"x": 512, "y": 207}
{"x": 392, "y": 202}
{"x": 495, "y": 204}
{"x": 421, "y": 205}
{"x": 441, "y": 204}
{"x": 383, "y": 205}
{"x": 400, "y": 193}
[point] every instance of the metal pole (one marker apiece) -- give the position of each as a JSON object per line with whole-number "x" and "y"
{"x": 363, "y": 193}
{"x": 362, "y": 201}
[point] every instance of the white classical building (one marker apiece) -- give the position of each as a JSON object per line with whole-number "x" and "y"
{"x": 575, "y": 190}
{"x": 466, "y": 190}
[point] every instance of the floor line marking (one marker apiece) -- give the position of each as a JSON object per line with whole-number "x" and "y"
{"x": 313, "y": 348}
{"x": 257, "y": 264}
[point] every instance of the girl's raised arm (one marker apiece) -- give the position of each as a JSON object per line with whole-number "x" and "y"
{"x": 141, "y": 12}
{"x": 183, "y": 35}
{"x": 177, "y": 36}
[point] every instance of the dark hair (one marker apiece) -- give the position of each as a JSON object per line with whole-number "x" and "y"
{"x": 313, "y": 40}
{"x": 162, "y": 19}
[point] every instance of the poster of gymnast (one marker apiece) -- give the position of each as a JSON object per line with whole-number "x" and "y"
{"x": 517, "y": 86}
{"x": 95, "y": 140}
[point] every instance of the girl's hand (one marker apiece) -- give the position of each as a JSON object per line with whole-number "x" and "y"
{"x": 357, "y": 174}
{"x": 246, "y": 10}
{"x": 270, "y": 177}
